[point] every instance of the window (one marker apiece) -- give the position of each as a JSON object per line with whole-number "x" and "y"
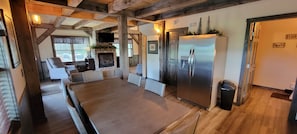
{"x": 70, "y": 49}
{"x": 130, "y": 47}
{"x": 8, "y": 105}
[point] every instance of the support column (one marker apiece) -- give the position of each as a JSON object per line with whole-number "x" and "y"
{"x": 123, "y": 41}
{"x": 28, "y": 58}
{"x": 140, "y": 48}
{"x": 162, "y": 51}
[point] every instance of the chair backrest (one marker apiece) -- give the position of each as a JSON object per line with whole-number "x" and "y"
{"x": 91, "y": 75}
{"x": 55, "y": 62}
{"x": 63, "y": 86}
{"x": 155, "y": 87}
{"x": 134, "y": 79}
{"x": 76, "y": 77}
{"x": 185, "y": 125}
{"x": 75, "y": 117}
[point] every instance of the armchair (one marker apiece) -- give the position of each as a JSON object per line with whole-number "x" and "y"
{"x": 57, "y": 70}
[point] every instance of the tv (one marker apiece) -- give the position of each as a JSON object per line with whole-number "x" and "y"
{"x": 105, "y": 37}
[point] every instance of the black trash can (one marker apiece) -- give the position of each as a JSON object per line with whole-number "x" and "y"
{"x": 227, "y": 91}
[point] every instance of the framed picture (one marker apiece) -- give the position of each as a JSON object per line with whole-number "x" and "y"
{"x": 12, "y": 42}
{"x": 152, "y": 47}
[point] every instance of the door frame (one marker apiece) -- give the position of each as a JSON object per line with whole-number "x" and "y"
{"x": 181, "y": 31}
{"x": 239, "y": 99}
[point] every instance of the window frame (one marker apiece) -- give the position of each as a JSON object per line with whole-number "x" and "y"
{"x": 132, "y": 46}
{"x": 71, "y": 45}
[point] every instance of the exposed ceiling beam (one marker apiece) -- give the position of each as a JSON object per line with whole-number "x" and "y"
{"x": 203, "y": 7}
{"x": 44, "y": 35}
{"x": 59, "y": 20}
{"x": 49, "y": 26}
{"x": 58, "y": 11}
{"x": 34, "y": 2}
{"x": 82, "y": 15}
{"x": 104, "y": 25}
{"x": 134, "y": 37}
{"x": 72, "y": 3}
{"x": 80, "y": 24}
{"x": 166, "y": 6}
{"x": 40, "y": 9}
{"x": 93, "y": 6}
{"x": 119, "y": 5}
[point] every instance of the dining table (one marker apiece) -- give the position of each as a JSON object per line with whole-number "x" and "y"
{"x": 115, "y": 106}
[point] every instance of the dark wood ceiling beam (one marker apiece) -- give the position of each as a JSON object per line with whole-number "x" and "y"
{"x": 134, "y": 37}
{"x": 93, "y": 6}
{"x": 203, "y": 7}
{"x": 119, "y": 5}
{"x": 44, "y": 35}
{"x": 166, "y": 6}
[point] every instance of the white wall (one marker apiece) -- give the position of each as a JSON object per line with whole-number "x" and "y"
{"x": 276, "y": 67}
{"x": 153, "y": 60}
{"x": 232, "y": 22}
{"x": 45, "y": 47}
{"x": 18, "y": 79}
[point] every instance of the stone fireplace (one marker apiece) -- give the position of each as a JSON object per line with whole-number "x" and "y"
{"x": 105, "y": 57}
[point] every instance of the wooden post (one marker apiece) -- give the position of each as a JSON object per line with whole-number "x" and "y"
{"x": 27, "y": 54}
{"x": 140, "y": 48}
{"x": 37, "y": 53}
{"x": 162, "y": 51}
{"x": 123, "y": 41}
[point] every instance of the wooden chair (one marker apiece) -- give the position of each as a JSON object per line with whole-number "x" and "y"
{"x": 155, "y": 87}
{"x": 75, "y": 117}
{"x": 134, "y": 79}
{"x": 186, "y": 125}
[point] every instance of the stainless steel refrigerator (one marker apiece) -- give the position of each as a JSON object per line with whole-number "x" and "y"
{"x": 201, "y": 65}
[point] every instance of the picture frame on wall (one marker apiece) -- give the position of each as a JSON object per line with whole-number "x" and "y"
{"x": 11, "y": 39}
{"x": 152, "y": 47}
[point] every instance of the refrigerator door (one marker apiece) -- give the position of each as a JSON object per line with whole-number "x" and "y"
{"x": 183, "y": 78}
{"x": 201, "y": 81}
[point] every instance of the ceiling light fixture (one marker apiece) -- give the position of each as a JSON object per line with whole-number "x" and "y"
{"x": 36, "y": 19}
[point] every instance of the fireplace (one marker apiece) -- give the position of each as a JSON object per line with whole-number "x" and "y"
{"x": 106, "y": 60}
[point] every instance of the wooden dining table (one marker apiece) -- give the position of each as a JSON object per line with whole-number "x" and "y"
{"x": 115, "y": 106}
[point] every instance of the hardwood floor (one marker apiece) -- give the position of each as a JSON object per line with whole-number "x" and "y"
{"x": 58, "y": 118}
{"x": 261, "y": 114}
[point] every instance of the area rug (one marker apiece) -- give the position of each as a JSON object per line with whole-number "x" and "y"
{"x": 281, "y": 96}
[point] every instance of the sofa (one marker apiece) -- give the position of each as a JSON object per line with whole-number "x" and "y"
{"x": 57, "y": 69}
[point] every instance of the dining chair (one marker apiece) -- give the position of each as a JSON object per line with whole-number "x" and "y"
{"x": 155, "y": 87}
{"x": 75, "y": 117}
{"x": 63, "y": 85}
{"x": 91, "y": 75}
{"x": 186, "y": 125}
{"x": 134, "y": 79}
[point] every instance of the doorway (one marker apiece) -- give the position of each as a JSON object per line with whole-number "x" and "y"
{"x": 250, "y": 52}
{"x": 172, "y": 39}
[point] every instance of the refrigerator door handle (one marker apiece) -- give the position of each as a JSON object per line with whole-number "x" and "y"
{"x": 193, "y": 63}
{"x": 189, "y": 64}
